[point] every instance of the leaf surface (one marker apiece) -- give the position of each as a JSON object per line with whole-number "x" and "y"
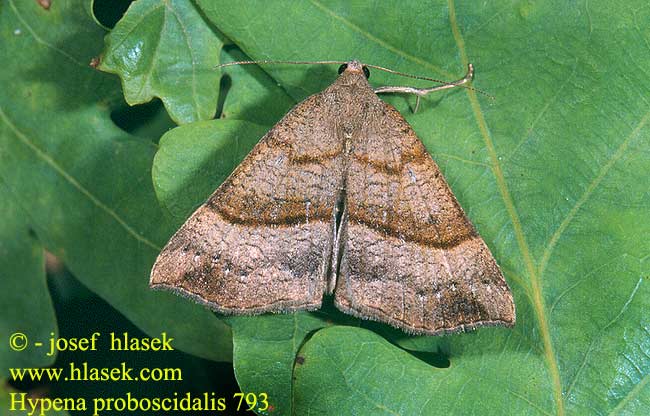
{"x": 552, "y": 172}
{"x": 265, "y": 350}
{"x": 253, "y": 94}
{"x": 193, "y": 160}
{"x": 22, "y": 270}
{"x": 86, "y": 184}
{"x": 163, "y": 48}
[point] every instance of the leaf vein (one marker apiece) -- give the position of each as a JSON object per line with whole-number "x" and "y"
{"x": 154, "y": 58}
{"x": 627, "y": 303}
{"x": 581, "y": 368}
{"x": 600, "y": 335}
{"x": 194, "y": 62}
{"x": 378, "y": 41}
{"x": 134, "y": 26}
{"x": 578, "y": 282}
{"x": 75, "y": 183}
{"x": 589, "y": 191}
{"x": 559, "y": 91}
{"x": 471, "y": 162}
{"x": 356, "y": 390}
{"x": 42, "y": 41}
{"x": 524, "y": 398}
{"x": 538, "y": 300}
{"x": 631, "y": 395}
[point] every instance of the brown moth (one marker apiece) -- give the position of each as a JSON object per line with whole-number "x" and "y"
{"x": 339, "y": 197}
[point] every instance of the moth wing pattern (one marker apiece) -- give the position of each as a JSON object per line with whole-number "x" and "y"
{"x": 263, "y": 240}
{"x": 411, "y": 257}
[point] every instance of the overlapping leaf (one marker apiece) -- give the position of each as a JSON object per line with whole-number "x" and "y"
{"x": 194, "y": 159}
{"x": 252, "y": 95}
{"x": 163, "y": 48}
{"x": 85, "y": 184}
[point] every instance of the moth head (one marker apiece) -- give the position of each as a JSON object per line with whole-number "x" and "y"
{"x": 355, "y": 67}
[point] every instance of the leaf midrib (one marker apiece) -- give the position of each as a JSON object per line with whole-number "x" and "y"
{"x": 74, "y": 182}
{"x": 187, "y": 38}
{"x": 538, "y": 300}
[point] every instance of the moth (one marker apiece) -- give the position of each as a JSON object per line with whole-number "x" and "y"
{"x": 340, "y": 197}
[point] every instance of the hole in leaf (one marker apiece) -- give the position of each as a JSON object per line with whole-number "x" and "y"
{"x": 109, "y": 12}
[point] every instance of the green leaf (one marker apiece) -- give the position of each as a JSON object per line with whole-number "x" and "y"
{"x": 85, "y": 184}
{"x": 253, "y": 94}
{"x": 22, "y": 270}
{"x": 194, "y": 159}
{"x": 553, "y": 173}
{"x": 265, "y": 349}
{"x": 344, "y": 370}
{"x": 164, "y": 49}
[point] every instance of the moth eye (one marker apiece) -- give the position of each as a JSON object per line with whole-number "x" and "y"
{"x": 366, "y": 72}
{"x": 343, "y": 68}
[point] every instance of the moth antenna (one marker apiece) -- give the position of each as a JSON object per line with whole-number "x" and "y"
{"x": 410, "y": 90}
{"x": 264, "y": 62}
{"x": 419, "y": 92}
